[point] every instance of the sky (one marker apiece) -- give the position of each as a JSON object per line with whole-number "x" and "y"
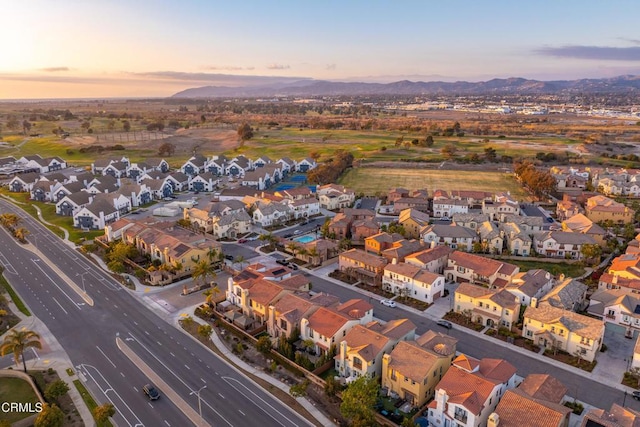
{"x": 155, "y": 48}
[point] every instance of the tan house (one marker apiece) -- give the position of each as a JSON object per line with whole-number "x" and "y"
{"x": 381, "y": 241}
{"x": 418, "y": 203}
{"x": 286, "y": 313}
{"x": 565, "y": 209}
{"x": 465, "y": 267}
{"x": 534, "y": 283}
{"x": 536, "y": 402}
{"x": 414, "y": 368}
{"x": 363, "y": 266}
{"x": 400, "y": 250}
{"x": 490, "y": 307}
{"x": 601, "y": 208}
{"x": 333, "y": 196}
{"x": 581, "y": 224}
{"x": 412, "y": 220}
{"x": 555, "y": 328}
{"x": 626, "y": 266}
{"x": 361, "y": 351}
{"x": 612, "y": 281}
{"x": 318, "y": 251}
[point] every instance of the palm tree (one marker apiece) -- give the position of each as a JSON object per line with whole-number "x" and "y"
{"x": 212, "y": 253}
{"x": 211, "y": 294}
{"x": 9, "y": 220}
{"x": 269, "y": 238}
{"x": 17, "y": 342}
{"x": 293, "y": 248}
{"x": 313, "y": 254}
{"x": 240, "y": 260}
{"x": 203, "y": 269}
{"x": 21, "y": 233}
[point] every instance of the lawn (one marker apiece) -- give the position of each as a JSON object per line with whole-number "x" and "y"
{"x": 16, "y": 390}
{"x": 555, "y": 268}
{"x": 372, "y": 180}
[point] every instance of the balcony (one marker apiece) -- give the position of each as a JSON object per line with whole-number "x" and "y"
{"x": 462, "y": 417}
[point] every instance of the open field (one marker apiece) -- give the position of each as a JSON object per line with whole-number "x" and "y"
{"x": 19, "y": 391}
{"x": 373, "y": 180}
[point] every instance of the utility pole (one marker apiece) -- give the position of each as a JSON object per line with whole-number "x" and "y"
{"x": 197, "y": 393}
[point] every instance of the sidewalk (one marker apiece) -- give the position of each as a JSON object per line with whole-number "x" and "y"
{"x": 250, "y": 369}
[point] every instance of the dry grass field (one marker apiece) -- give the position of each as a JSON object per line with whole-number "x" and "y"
{"x": 372, "y": 180}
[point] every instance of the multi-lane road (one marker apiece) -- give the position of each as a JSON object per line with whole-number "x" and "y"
{"x": 88, "y": 335}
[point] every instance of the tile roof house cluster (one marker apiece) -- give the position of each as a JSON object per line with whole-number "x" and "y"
{"x": 433, "y": 259}
{"x": 536, "y": 402}
{"x": 413, "y": 368}
{"x": 613, "y": 281}
{"x": 222, "y": 219}
{"x": 470, "y": 391}
{"x": 566, "y": 208}
{"x": 360, "y": 352}
{"x": 447, "y": 208}
{"x": 454, "y": 236}
{"x": 489, "y": 307}
{"x": 617, "y": 307}
{"x": 534, "y": 283}
{"x": 556, "y": 328}
{"x": 356, "y": 224}
{"x": 419, "y": 202}
{"x": 567, "y": 294}
{"x": 562, "y": 244}
{"x": 626, "y": 266}
{"x": 617, "y": 416}
{"x": 618, "y": 182}
{"x": 601, "y": 208}
{"x": 412, "y": 220}
{"x": 579, "y": 223}
{"x": 502, "y": 204}
{"x": 466, "y": 267}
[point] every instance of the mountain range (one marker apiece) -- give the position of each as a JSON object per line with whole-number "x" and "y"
{"x": 310, "y": 87}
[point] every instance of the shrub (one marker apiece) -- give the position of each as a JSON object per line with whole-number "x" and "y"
{"x": 264, "y": 345}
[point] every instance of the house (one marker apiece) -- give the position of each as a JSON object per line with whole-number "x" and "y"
{"x": 536, "y": 402}
{"x": 99, "y": 165}
{"x": 222, "y": 219}
{"x": 216, "y": 165}
{"x": 491, "y": 238}
{"x": 489, "y": 307}
{"x": 601, "y": 208}
{"x": 179, "y": 181}
{"x": 23, "y": 182}
{"x": 261, "y": 161}
{"x": 534, "y": 283}
{"x": 95, "y": 215}
{"x": 304, "y": 207}
{"x": 612, "y": 281}
{"x": 413, "y": 368}
{"x": 381, "y": 241}
{"x": 617, "y": 416}
{"x": 136, "y": 170}
{"x": 466, "y": 267}
{"x": 434, "y": 259}
{"x": 342, "y": 224}
{"x": 412, "y": 220}
{"x": 447, "y": 208}
{"x": 297, "y": 193}
{"x": 561, "y": 244}
{"x": 420, "y": 204}
{"x": 70, "y": 204}
{"x": 286, "y": 314}
{"x": 194, "y": 166}
{"x": 328, "y": 326}
{"x": 238, "y": 166}
{"x": 454, "y": 236}
{"x": 502, "y": 205}
{"x": 37, "y": 163}
{"x": 41, "y": 190}
{"x": 306, "y": 165}
{"x": 363, "y": 228}
{"x": 116, "y": 169}
{"x": 626, "y": 266}
{"x": 555, "y": 328}
{"x": 470, "y": 220}
{"x": 268, "y": 214}
{"x": 138, "y": 194}
{"x": 333, "y": 196}
{"x": 617, "y": 307}
{"x": 566, "y": 209}
{"x": 287, "y": 165}
{"x": 568, "y": 294}
{"x": 66, "y": 189}
{"x": 401, "y": 249}
{"x": 232, "y": 225}
{"x": 414, "y": 282}
{"x": 205, "y": 182}
{"x": 318, "y": 251}
{"x": 470, "y": 391}
{"x": 472, "y": 197}
{"x": 397, "y": 194}
{"x": 258, "y": 179}
{"x": 516, "y": 239}
{"x": 362, "y": 266}
{"x": 581, "y": 224}
{"x": 361, "y": 351}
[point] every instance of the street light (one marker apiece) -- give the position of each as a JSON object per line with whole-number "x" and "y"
{"x": 197, "y": 393}
{"x": 82, "y": 277}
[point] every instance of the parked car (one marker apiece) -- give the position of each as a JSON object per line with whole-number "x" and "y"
{"x": 297, "y": 232}
{"x": 228, "y": 257}
{"x": 292, "y": 266}
{"x": 445, "y": 324}
{"x": 151, "y": 392}
{"x": 242, "y": 240}
{"x": 282, "y": 261}
{"x": 388, "y": 302}
{"x": 636, "y": 394}
{"x": 286, "y": 236}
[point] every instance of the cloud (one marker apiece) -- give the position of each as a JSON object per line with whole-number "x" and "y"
{"x": 632, "y": 41}
{"x": 214, "y": 78}
{"x": 278, "y": 67}
{"x": 602, "y": 53}
{"x": 331, "y": 66}
{"x": 54, "y": 69}
{"x": 229, "y": 68}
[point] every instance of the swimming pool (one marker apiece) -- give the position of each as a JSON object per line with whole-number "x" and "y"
{"x": 305, "y": 239}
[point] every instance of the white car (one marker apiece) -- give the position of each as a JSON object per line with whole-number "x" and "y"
{"x": 388, "y": 302}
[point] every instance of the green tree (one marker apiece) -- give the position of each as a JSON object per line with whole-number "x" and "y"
{"x": 490, "y": 153}
{"x": 429, "y": 141}
{"x": 50, "y": 416}
{"x": 449, "y": 151}
{"x": 331, "y": 386}
{"x": 591, "y": 252}
{"x": 300, "y": 389}
{"x": 358, "y": 400}
{"x": 264, "y": 345}
{"x": 55, "y": 390}
{"x": 408, "y": 422}
{"x": 166, "y": 149}
{"x": 121, "y": 251}
{"x": 126, "y": 126}
{"x": 203, "y": 269}
{"x": 26, "y": 127}
{"x": 17, "y": 341}
{"x": 9, "y": 220}
{"x": 103, "y": 412}
{"x": 205, "y": 331}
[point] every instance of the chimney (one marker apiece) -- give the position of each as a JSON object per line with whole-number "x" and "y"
{"x": 534, "y": 302}
{"x": 494, "y": 420}
{"x": 394, "y": 261}
{"x": 229, "y": 289}
{"x": 615, "y": 279}
{"x": 561, "y": 277}
{"x": 433, "y": 244}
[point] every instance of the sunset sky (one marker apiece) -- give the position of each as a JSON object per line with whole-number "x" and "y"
{"x": 154, "y": 48}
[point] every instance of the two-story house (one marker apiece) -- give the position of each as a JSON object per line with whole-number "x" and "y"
{"x": 490, "y": 307}
{"x": 333, "y": 196}
{"x": 454, "y": 236}
{"x": 408, "y": 280}
{"x": 561, "y": 244}
{"x": 435, "y": 259}
{"x": 601, "y": 208}
{"x": 447, "y": 208}
{"x": 465, "y": 267}
{"x": 413, "y": 220}
{"x": 366, "y": 267}
{"x": 534, "y": 283}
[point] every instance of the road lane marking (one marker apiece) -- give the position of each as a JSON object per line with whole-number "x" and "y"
{"x": 65, "y": 311}
{"x": 241, "y": 412}
{"x": 105, "y": 356}
{"x": 56, "y": 285}
{"x": 221, "y": 395}
{"x": 167, "y": 422}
